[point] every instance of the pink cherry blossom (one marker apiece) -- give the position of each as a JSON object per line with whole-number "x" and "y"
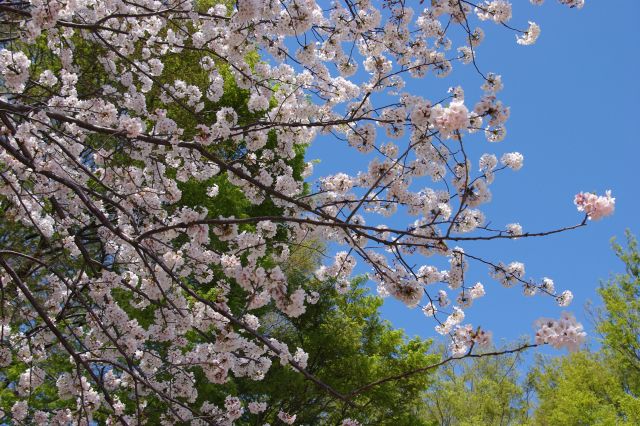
{"x": 595, "y": 206}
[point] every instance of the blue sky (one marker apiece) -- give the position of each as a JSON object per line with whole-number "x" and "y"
{"x": 574, "y": 112}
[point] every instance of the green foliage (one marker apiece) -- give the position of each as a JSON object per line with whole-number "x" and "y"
{"x": 600, "y": 388}
{"x": 619, "y": 320}
{"x": 582, "y": 388}
{"x": 483, "y": 391}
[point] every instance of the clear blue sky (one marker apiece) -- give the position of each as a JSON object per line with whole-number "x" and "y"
{"x": 574, "y": 115}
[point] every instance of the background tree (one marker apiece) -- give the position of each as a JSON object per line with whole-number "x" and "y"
{"x": 599, "y": 387}
{"x": 486, "y": 390}
{"x": 581, "y": 388}
{"x": 618, "y": 321}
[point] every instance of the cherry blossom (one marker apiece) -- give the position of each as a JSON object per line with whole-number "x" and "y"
{"x": 530, "y": 35}
{"x": 287, "y": 418}
{"x": 595, "y": 206}
{"x": 121, "y": 166}
{"x": 562, "y": 333}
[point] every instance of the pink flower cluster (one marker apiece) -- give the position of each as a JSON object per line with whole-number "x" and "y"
{"x": 563, "y": 333}
{"x": 98, "y": 177}
{"x": 465, "y": 337}
{"x": 595, "y": 206}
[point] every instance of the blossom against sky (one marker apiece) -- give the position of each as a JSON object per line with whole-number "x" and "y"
{"x": 574, "y": 101}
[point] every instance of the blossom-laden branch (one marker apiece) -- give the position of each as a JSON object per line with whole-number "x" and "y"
{"x": 152, "y": 182}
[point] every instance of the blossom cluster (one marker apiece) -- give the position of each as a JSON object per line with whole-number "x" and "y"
{"x": 142, "y": 258}
{"x": 595, "y": 206}
{"x": 563, "y": 333}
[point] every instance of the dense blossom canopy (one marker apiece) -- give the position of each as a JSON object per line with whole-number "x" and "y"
{"x": 137, "y": 285}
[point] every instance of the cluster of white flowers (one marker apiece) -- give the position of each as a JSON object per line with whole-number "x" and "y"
{"x": 453, "y": 118}
{"x": 565, "y": 298}
{"x": 513, "y": 160}
{"x": 14, "y": 69}
{"x": 464, "y": 337}
{"x": 257, "y": 407}
{"x": 595, "y": 206}
{"x": 565, "y": 332}
{"x": 286, "y": 417}
{"x": 530, "y": 35}
{"x": 508, "y": 275}
{"x": 467, "y": 296}
{"x": 514, "y": 229}
{"x": 497, "y": 10}
{"x": 129, "y": 183}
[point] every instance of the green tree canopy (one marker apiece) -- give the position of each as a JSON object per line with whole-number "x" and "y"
{"x": 582, "y": 388}
{"x": 480, "y": 391}
{"x": 618, "y": 321}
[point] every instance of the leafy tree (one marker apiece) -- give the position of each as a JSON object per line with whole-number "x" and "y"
{"x": 586, "y": 388}
{"x": 582, "y": 388}
{"x": 480, "y": 391}
{"x": 618, "y": 321}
